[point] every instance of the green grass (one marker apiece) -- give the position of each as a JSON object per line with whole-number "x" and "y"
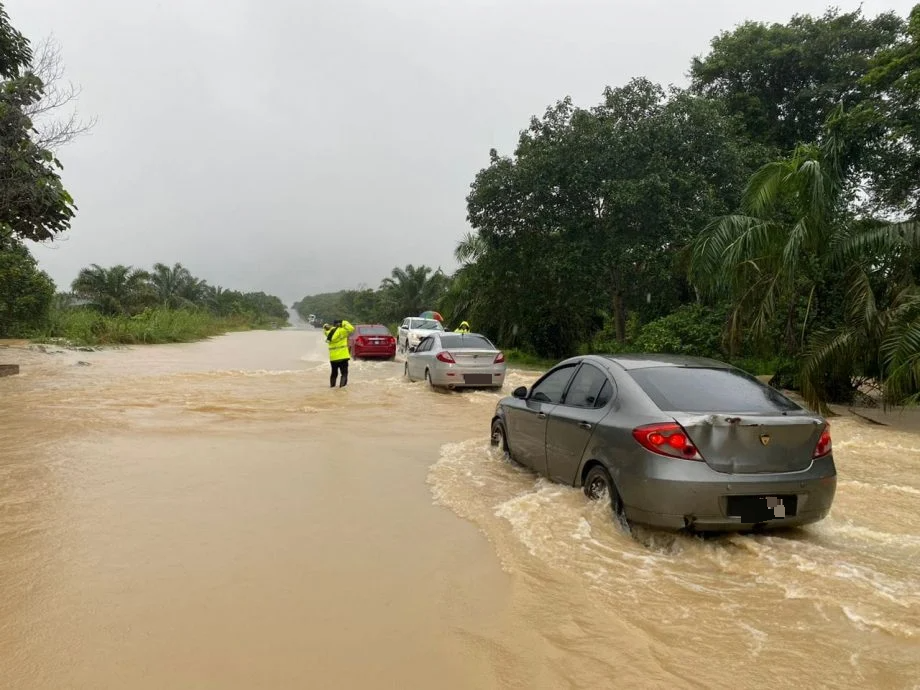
{"x": 154, "y": 326}
{"x": 525, "y": 360}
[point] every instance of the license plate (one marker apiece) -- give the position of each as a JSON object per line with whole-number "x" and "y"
{"x": 761, "y": 508}
{"x": 477, "y": 378}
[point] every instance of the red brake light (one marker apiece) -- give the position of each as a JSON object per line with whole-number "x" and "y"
{"x": 824, "y": 443}
{"x": 445, "y": 357}
{"x": 362, "y": 340}
{"x": 667, "y": 439}
{"x": 499, "y": 358}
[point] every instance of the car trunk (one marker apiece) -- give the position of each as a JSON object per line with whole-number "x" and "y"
{"x": 754, "y": 444}
{"x": 474, "y": 358}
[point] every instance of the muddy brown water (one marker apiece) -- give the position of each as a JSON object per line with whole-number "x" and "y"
{"x": 214, "y": 516}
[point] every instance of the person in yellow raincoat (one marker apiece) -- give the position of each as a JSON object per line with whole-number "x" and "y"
{"x": 464, "y": 327}
{"x": 337, "y": 340}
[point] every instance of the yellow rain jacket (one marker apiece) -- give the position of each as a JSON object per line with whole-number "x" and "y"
{"x": 337, "y": 340}
{"x": 463, "y": 328}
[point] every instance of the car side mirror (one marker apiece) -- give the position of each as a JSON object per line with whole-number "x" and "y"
{"x": 520, "y": 392}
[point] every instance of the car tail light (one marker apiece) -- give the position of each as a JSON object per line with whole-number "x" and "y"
{"x": 362, "y": 340}
{"x": 499, "y": 358}
{"x": 824, "y": 443}
{"x": 667, "y": 439}
{"x": 392, "y": 340}
{"x": 445, "y": 357}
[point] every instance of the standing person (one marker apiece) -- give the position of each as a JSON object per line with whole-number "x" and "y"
{"x": 337, "y": 340}
{"x": 464, "y": 327}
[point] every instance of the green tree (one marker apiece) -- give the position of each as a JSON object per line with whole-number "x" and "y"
{"x": 588, "y": 217}
{"x": 176, "y": 287}
{"x": 891, "y": 111}
{"x": 795, "y": 229}
{"x": 26, "y": 292}
{"x": 116, "y": 290}
{"x": 785, "y": 80}
{"x": 411, "y": 290}
{"x": 33, "y": 202}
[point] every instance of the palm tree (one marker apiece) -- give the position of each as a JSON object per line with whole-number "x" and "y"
{"x": 116, "y": 290}
{"x": 470, "y": 249}
{"x": 176, "y": 287}
{"x": 412, "y": 290}
{"x": 796, "y": 227}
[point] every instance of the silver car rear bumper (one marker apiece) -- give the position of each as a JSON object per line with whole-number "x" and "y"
{"x": 456, "y": 376}
{"x": 684, "y": 494}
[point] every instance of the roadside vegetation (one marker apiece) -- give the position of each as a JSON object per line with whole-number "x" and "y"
{"x": 107, "y": 305}
{"x": 122, "y": 305}
{"x": 767, "y": 214}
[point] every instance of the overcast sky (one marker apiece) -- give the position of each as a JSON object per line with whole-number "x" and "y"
{"x": 302, "y": 146}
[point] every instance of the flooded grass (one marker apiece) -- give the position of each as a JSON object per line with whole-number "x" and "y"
{"x": 154, "y": 326}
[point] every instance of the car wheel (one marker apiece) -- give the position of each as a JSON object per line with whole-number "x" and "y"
{"x": 428, "y": 379}
{"x": 406, "y": 371}
{"x": 598, "y": 484}
{"x": 498, "y": 435}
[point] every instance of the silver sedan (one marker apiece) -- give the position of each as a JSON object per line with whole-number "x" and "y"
{"x": 456, "y": 360}
{"x": 674, "y": 442}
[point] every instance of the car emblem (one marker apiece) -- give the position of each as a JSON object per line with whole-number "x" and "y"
{"x": 765, "y": 439}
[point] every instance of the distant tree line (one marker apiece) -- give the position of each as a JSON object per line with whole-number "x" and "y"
{"x": 767, "y": 212}
{"x": 36, "y": 119}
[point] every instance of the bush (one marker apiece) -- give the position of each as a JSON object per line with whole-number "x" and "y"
{"x": 25, "y": 291}
{"x": 153, "y": 326}
{"x": 690, "y": 330}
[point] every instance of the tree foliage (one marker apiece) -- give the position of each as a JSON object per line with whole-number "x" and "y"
{"x": 124, "y": 290}
{"x": 33, "y": 202}
{"x": 26, "y": 292}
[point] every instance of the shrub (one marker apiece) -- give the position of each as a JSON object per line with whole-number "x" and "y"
{"x": 690, "y": 330}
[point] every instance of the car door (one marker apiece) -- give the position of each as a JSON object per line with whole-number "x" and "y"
{"x": 417, "y": 360}
{"x": 402, "y": 333}
{"x": 570, "y": 425}
{"x": 527, "y": 421}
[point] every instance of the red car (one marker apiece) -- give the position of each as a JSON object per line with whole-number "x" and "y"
{"x": 371, "y": 340}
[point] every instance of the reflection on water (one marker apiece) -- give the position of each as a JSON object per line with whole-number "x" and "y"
{"x": 213, "y": 515}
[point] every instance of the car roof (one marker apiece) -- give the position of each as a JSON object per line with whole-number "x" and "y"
{"x": 650, "y": 360}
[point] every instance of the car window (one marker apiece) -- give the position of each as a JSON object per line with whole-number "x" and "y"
{"x": 405, "y": 324}
{"x": 605, "y": 396}
{"x": 457, "y": 341}
{"x": 553, "y": 386}
{"x": 375, "y": 330}
{"x": 586, "y": 386}
{"x": 425, "y": 345}
{"x": 697, "y": 389}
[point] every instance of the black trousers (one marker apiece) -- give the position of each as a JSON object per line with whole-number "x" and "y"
{"x": 341, "y": 365}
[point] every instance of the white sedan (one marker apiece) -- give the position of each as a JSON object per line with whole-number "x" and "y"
{"x": 413, "y": 329}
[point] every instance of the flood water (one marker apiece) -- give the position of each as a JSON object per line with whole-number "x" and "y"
{"x": 214, "y": 516}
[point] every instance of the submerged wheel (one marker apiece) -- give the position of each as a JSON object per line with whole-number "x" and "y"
{"x": 498, "y": 438}
{"x": 406, "y": 371}
{"x": 598, "y": 485}
{"x": 428, "y": 379}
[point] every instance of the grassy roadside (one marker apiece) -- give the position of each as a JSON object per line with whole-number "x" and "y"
{"x": 151, "y": 327}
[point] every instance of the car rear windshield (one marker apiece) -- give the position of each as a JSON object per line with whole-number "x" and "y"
{"x": 691, "y": 389}
{"x": 465, "y": 342}
{"x": 374, "y": 330}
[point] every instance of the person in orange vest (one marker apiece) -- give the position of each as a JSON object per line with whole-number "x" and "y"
{"x": 337, "y": 340}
